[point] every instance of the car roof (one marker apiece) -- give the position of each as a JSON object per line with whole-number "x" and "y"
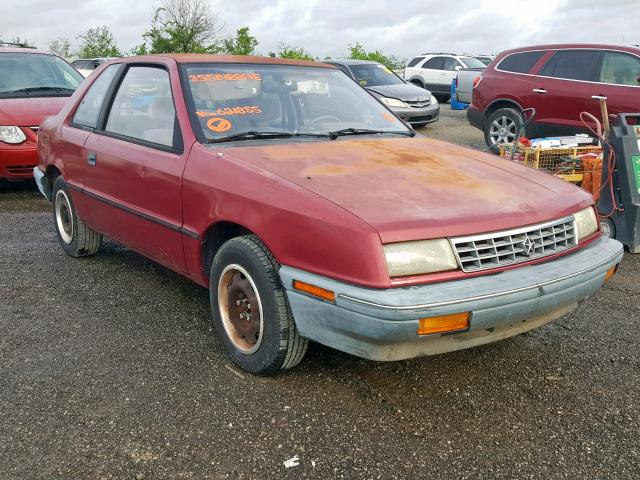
{"x": 352, "y": 61}
{"x": 554, "y": 46}
{"x": 238, "y": 59}
{"x": 24, "y": 50}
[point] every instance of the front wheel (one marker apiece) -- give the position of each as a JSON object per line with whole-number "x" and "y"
{"x": 76, "y": 239}
{"x": 250, "y": 308}
{"x": 501, "y": 127}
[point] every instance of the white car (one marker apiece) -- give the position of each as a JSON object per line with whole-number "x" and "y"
{"x": 436, "y": 71}
{"x": 87, "y": 65}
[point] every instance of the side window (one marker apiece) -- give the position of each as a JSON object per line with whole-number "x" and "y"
{"x": 89, "y": 108}
{"x": 573, "y": 65}
{"x": 415, "y": 61}
{"x": 450, "y": 64}
{"x": 621, "y": 69}
{"x": 520, "y": 62}
{"x": 143, "y": 108}
{"x": 435, "y": 63}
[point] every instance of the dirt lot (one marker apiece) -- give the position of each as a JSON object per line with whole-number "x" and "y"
{"x": 109, "y": 369}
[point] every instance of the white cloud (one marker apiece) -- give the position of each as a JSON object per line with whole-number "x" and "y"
{"x": 326, "y": 27}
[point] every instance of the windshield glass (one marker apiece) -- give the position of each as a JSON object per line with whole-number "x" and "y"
{"x": 374, "y": 75}
{"x": 229, "y": 100}
{"x": 471, "y": 62}
{"x": 32, "y": 74}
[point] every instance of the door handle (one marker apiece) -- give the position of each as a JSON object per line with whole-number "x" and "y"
{"x": 91, "y": 159}
{"x": 598, "y": 97}
{"x": 539, "y": 90}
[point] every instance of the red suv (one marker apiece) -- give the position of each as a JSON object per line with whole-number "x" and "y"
{"x": 33, "y": 85}
{"x": 560, "y": 82}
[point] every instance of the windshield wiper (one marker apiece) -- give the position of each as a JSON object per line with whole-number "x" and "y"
{"x": 41, "y": 89}
{"x": 366, "y": 131}
{"x": 254, "y": 135}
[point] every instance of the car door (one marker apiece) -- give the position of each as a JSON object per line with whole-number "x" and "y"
{"x": 432, "y": 72}
{"x": 449, "y": 72}
{"x": 619, "y": 82}
{"x": 134, "y": 165}
{"x": 562, "y": 88}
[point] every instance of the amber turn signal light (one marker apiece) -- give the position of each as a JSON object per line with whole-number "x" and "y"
{"x": 444, "y": 323}
{"x": 314, "y": 290}
{"x": 610, "y": 273}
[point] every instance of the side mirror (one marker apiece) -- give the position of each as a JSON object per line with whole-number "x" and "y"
{"x": 458, "y": 67}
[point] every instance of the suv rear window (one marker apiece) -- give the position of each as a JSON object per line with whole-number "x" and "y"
{"x": 573, "y": 65}
{"x": 415, "y": 61}
{"x": 520, "y": 62}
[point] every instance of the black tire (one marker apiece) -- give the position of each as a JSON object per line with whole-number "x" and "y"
{"x": 507, "y": 118}
{"x": 442, "y": 98}
{"x": 608, "y": 228}
{"x": 418, "y": 83}
{"x": 419, "y": 125}
{"x": 278, "y": 344}
{"x": 76, "y": 238}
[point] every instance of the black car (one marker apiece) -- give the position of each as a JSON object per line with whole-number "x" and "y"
{"x": 410, "y": 102}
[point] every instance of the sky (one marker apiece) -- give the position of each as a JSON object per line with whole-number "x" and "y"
{"x": 325, "y": 27}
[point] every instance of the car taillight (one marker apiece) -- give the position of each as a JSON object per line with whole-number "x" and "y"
{"x": 476, "y": 81}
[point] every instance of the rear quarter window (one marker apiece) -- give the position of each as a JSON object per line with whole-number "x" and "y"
{"x": 87, "y": 113}
{"x": 520, "y": 62}
{"x": 415, "y": 61}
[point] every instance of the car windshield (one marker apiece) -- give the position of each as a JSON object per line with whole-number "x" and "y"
{"x": 471, "y": 62}
{"x": 34, "y": 74}
{"x": 230, "y": 101}
{"x": 374, "y": 75}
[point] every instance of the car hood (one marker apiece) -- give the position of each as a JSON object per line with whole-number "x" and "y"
{"x": 29, "y": 112}
{"x": 406, "y": 91}
{"x": 419, "y": 188}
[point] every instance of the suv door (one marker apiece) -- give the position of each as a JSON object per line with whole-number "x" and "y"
{"x": 619, "y": 81}
{"x": 562, "y": 88}
{"x": 431, "y": 72}
{"x": 134, "y": 167}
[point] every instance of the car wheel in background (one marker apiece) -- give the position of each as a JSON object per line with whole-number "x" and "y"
{"x": 76, "y": 238}
{"x": 250, "y": 308}
{"x": 442, "y": 98}
{"x": 419, "y": 125}
{"x": 501, "y": 127}
{"x": 608, "y": 228}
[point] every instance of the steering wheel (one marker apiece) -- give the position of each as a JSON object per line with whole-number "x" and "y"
{"x": 322, "y": 118}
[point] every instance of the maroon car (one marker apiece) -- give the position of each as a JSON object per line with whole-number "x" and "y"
{"x": 311, "y": 212}
{"x": 33, "y": 85}
{"x": 560, "y": 82}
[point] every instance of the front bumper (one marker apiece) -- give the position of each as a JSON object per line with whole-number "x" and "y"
{"x": 418, "y": 115}
{"x": 17, "y": 162}
{"x": 381, "y": 324}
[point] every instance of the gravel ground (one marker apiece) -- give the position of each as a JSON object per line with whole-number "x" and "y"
{"x": 109, "y": 369}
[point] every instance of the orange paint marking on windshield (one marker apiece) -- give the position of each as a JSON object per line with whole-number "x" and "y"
{"x": 389, "y": 117}
{"x": 220, "y": 112}
{"x": 217, "y": 124}
{"x": 215, "y": 77}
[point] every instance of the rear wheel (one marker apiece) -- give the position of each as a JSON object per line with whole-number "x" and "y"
{"x": 608, "y": 228}
{"x": 76, "y": 238}
{"x": 442, "y": 98}
{"x": 501, "y": 127}
{"x": 250, "y": 308}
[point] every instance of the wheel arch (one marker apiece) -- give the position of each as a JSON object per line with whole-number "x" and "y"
{"x": 216, "y": 235}
{"x": 497, "y": 105}
{"x": 417, "y": 80}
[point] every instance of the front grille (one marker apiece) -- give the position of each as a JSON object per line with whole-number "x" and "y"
{"x": 424, "y": 118}
{"x": 419, "y": 104}
{"x": 499, "y": 249}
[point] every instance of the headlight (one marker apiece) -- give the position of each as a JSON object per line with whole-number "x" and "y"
{"x": 393, "y": 102}
{"x": 586, "y": 223}
{"x": 434, "y": 100}
{"x": 11, "y": 135}
{"x": 422, "y": 256}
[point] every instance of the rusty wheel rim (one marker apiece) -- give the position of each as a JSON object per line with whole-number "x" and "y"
{"x": 240, "y": 309}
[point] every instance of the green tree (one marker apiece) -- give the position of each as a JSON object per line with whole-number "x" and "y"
{"x": 61, "y": 46}
{"x": 98, "y": 42}
{"x": 182, "y": 26}
{"x": 242, "y": 44}
{"x": 285, "y": 51}
{"x": 358, "y": 52}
